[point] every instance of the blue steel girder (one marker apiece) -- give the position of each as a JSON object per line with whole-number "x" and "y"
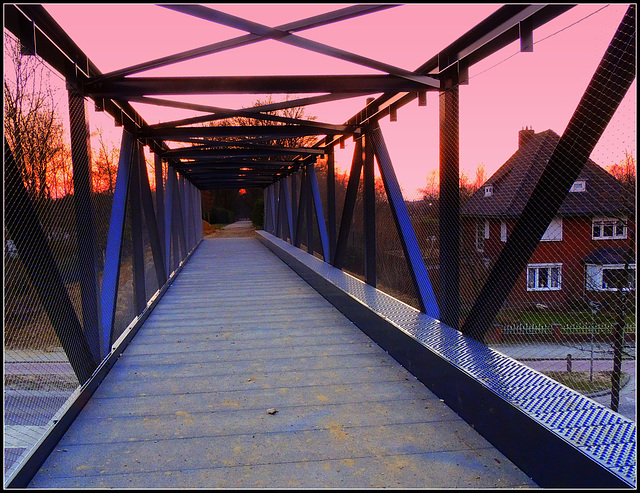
{"x": 319, "y": 214}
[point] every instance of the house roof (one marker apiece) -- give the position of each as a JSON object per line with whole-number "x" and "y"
{"x": 517, "y": 177}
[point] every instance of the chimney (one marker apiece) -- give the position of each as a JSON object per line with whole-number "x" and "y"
{"x": 524, "y": 135}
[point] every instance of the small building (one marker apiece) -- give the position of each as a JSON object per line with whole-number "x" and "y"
{"x": 588, "y": 248}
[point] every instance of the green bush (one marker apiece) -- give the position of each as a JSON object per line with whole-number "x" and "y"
{"x": 257, "y": 216}
{"x": 220, "y": 215}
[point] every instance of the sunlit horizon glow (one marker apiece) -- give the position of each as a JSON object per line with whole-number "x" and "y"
{"x": 506, "y": 92}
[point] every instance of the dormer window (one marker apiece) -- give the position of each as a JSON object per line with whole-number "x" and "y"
{"x": 488, "y": 190}
{"x": 578, "y": 186}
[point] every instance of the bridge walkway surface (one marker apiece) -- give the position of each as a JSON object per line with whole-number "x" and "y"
{"x": 244, "y": 376}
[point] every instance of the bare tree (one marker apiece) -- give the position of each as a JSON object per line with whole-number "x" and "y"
{"x": 32, "y": 126}
{"x": 105, "y": 165}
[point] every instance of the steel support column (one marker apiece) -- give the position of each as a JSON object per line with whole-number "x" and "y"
{"x": 179, "y": 218}
{"x": 139, "y": 292}
{"x": 109, "y": 294}
{"x": 85, "y": 219}
{"x": 23, "y": 225}
{"x": 406, "y": 233}
{"x": 369, "y": 206}
{"x": 449, "y": 203}
{"x": 607, "y": 88}
{"x": 331, "y": 203}
{"x": 309, "y": 210}
{"x": 152, "y": 224}
{"x": 302, "y": 205}
{"x": 319, "y": 213}
{"x": 168, "y": 219}
{"x": 159, "y": 178}
{"x": 349, "y": 205}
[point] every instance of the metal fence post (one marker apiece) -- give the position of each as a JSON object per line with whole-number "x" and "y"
{"x": 160, "y": 204}
{"x": 319, "y": 214}
{"x": 331, "y": 202}
{"x": 168, "y": 219}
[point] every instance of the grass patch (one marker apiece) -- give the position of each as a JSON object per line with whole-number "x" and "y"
{"x": 580, "y": 381}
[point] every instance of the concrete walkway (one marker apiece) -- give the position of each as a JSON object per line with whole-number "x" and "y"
{"x": 245, "y": 377}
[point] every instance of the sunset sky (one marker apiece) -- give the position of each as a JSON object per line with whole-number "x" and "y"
{"x": 539, "y": 90}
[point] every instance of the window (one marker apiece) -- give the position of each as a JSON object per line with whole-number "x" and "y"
{"x": 608, "y": 228}
{"x": 544, "y": 277}
{"x": 608, "y": 277}
{"x": 554, "y": 231}
{"x": 488, "y": 190}
{"x": 503, "y": 231}
{"x": 482, "y": 233}
{"x": 578, "y": 186}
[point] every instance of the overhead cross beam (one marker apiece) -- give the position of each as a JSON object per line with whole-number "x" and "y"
{"x": 301, "y": 25}
{"x": 128, "y": 88}
{"x": 292, "y": 39}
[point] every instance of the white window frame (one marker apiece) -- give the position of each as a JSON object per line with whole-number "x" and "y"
{"x": 578, "y": 186}
{"x": 503, "y": 231}
{"x": 536, "y": 269}
{"x": 594, "y": 276}
{"x": 602, "y": 222}
{"x": 482, "y": 233}
{"x": 488, "y": 190}
{"x": 553, "y": 231}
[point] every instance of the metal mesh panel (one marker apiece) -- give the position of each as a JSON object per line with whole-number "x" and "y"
{"x": 39, "y": 221}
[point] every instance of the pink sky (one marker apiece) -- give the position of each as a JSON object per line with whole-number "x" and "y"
{"x": 539, "y": 89}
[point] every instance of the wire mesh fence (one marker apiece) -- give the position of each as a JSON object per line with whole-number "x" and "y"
{"x": 58, "y": 207}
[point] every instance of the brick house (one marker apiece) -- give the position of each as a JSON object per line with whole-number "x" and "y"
{"x": 584, "y": 251}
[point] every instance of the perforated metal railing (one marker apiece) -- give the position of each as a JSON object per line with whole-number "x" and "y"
{"x": 87, "y": 244}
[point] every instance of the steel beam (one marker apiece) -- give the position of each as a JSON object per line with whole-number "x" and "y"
{"x": 349, "y": 206}
{"x": 309, "y": 211}
{"x": 88, "y": 258}
{"x": 159, "y": 178}
{"x": 155, "y": 238}
{"x": 137, "y": 243}
{"x": 319, "y": 214}
{"x": 449, "y": 226}
{"x": 607, "y": 88}
{"x": 302, "y": 205}
{"x": 369, "y": 210}
{"x": 109, "y": 294}
{"x": 168, "y": 218}
{"x": 23, "y": 225}
{"x": 292, "y": 39}
{"x": 301, "y": 25}
{"x": 406, "y": 232}
{"x": 331, "y": 203}
{"x": 272, "y": 131}
{"x": 257, "y": 84}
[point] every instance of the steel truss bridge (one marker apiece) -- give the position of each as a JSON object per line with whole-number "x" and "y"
{"x": 552, "y": 434}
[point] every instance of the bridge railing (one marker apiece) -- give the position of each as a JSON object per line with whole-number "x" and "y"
{"x": 95, "y": 228}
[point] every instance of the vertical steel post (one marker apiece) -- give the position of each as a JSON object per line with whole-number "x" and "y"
{"x": 277, "y": 194}
{"x": 319, "y": 214}
{"x": 286, "y": 198}
{"x": 331, "y": 203}
{"x": 85, "y": 218}
{"x": 109, "y": 294}
{"x": 294, "y": 204}
{"x": 406, "y": 233}
{"x": 179, "y": 218}
{"x": 160, "y": 204}
{"x": 603, "y": 95}
{"x": 369, "y": 206}
{"x": 349, "y": 206}
{"x": 168, "y": 219}
{"x": 302, "y": 205}
{"x": 449, "y": 203}
{"x": 309, "y": 208}
{"x": 139, "y": 294}
{"x": 155, "y": 240}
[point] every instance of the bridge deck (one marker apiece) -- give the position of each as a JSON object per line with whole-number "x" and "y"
{"x": 244, "y": 376}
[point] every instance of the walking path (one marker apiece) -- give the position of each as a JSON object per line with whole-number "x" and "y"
{"x": 244, "y": 376}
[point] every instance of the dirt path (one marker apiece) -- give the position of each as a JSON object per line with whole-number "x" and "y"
{"x": 239, "y": 229}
